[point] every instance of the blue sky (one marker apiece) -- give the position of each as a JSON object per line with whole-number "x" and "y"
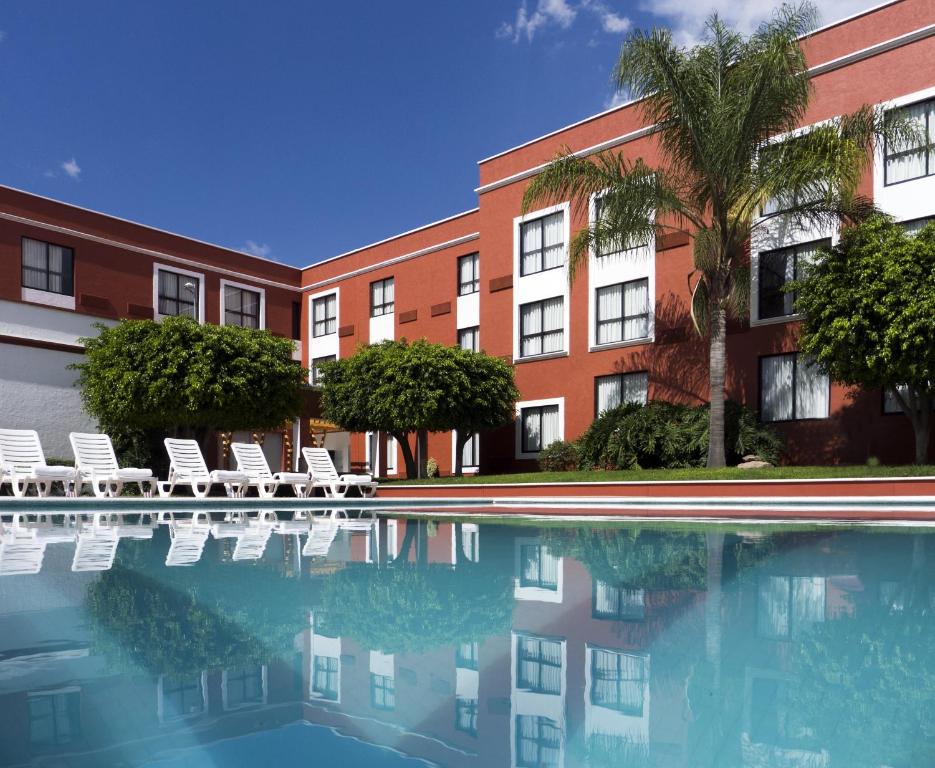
{"x": 298, "y": 130}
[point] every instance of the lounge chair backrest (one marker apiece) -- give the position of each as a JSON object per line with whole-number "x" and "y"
{"x": 93, "y": 451}
{"x": 186, "y": 457}
{"x": 21, "y": 449}
{"x": 251, "y": 460}
{"x": 320, "y": 464}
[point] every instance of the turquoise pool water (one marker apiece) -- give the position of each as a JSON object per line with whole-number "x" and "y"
{"x": 463, "y": 643}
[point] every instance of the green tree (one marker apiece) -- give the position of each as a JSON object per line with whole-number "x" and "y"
{"x": 178, "y": 374}
{"x": 716, "y": 110}
{"x": 400, "y": 388}
{"x": 869, "y": 316}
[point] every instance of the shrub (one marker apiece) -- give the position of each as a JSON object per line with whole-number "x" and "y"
{"x": 559, "y": 457}
{"x": 431, "y": 468}
{"x": 666, "y": 435}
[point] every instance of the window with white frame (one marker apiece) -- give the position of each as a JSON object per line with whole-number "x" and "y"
{"x": 914, "y": 226}
{"x": 48, "y": 267}
{"x": 178, "y": 294}
{"x": 316, "y": 367}
{"x": 541, "y": 426}
{"x": 914, "y": 157}
{"x": 616, "y": 602}
{"x": 466, "y": 714}
{"x": 791, "y": 388}
{"x": 538, "y": 664}
{"x": 467, "y": 654}
{"x": 538, "y": 567}
{"x": 382, "y": 293}
{"x": 778, "y": 268}
{"x": 538, "y": 742}
{"x": 54, "y": 718}
{"x": 382, "y": 691}
{"x": 622, "y": 312}
{"x": 183, "y": 695}
{"x": 468, "y": 274}
{"x": 614, "y": 246}
{"x": 469, "y": 338}
{"x": 244, "y": 686}
{"x": 542, "y": 244}
{"x": 542, "y": 327}
{"x": 618, "y": 681}
{"x": 325, "y": 677}
{"x": 324, "y": 315}
{"x": 618, "y": 388}
{"x": 241, "y": 306}
{"x": 470, "y": 453}
{"x": 787, "y": 606}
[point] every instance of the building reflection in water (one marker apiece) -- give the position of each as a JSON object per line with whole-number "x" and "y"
{"x": 410, "y": 640}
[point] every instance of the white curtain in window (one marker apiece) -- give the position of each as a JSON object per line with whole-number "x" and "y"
{"x": 605, "y": 597}
{"x": 551, "y": 669}
{"x": 912, "y": 164}
{"x": 467, "y": 270}
{"x": 635, "y": 388}
{"x": 469, "y": 453}
{"x": 532, "y": 244}
{"x": 773, "y": 606}
{"x": 548, "y": 567}
{"x": 776, "y": 387}
{"x": 34, "y": 263}
{"x": 811, "y": 390}
{"x": 532, "y": 428}
{"x": 609, "y": 307}
{"x": 530, "y": 324}
{"x": 808, "y": 601}
{"x": 554, "y": 246}
{"x": 636, "y": 301}
{"x": 388, "y": 291}
{"x": 57, "y": 258}
{"x": 609, "y": 393}
{"x": 551, "y": 428}
{"x": 232, "y": 297}
{"x": 553, "y": 321}
{"x": 528, "y": 727}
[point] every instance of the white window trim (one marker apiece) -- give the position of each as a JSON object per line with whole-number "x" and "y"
{"x": 264, "y": 682}
{"x": 329, "y": 344}
{"x": 472, "y": 470}
{"x": 48, "y": 298}
{"x": 312, "y": 298}
{"x": 177, "y": 270}
{"x": 541, "y": 285}
{"x": 559, "y": 401}
{"x": 245, "y": 287}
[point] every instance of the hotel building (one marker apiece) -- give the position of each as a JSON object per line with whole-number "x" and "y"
{"x": 492, "y": 279}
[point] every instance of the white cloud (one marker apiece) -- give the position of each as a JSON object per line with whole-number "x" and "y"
{"x": 615, "y": 100}
{"x": 687, "y": 19}
{"x": 548, "y": 13}
{"x": 71, "y": 168}
{"x": 256, "y": 249}
{"x": 611, "y": 22}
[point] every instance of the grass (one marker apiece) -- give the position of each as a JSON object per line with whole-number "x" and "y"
{"x": 661, "y": 475}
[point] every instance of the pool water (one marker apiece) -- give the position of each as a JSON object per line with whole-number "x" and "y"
{"x": 410, "y": 642}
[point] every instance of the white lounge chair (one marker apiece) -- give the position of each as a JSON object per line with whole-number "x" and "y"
{"x": 97, "y": 465}
{"x": 252, "y": 535}
{"x": 24, "y": 464}
{"x": 187, "y": 467}
{"x": 23, "y": 543}
{"x": 326, "y": 477}
{"x": 97, "y": 542}
{"x": 320, "y": 537}
{"x": 188, "y": 538}
{"x": 252, "y": 462}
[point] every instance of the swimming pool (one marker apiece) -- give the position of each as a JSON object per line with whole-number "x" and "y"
{"x": 464, "y": 642}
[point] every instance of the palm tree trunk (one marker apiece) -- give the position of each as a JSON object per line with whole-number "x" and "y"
{"x": 717, "y": 366}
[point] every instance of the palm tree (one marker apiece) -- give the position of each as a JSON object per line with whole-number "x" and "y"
{"x": 717, "y": 109}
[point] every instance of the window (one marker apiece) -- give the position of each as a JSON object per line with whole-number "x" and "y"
{"x": 618, "y": 681}
{"x": 791, "y": 388}
{"x": 296, "y": 320}
{"x": 541, "y": 427}
{"x": 915, "y": 225}
{"x": 48, "y": 267}
{"x": 538, "y": 665}
{"x": 615, "y": 246}
{"x": 542, "y": 244}
{"x": 538, "y": 742}
{"x": 54, "y": 718}
{"x": 466, "y": 655}
{"x": 541, "y": 327}
{"x": 241, "y": 307}
{"x": 325, "y": 315}
{"x": 614, "y": 602}
{"x": 178, "y": 294}
{"x": 381, "y": 297}
{"x": 244, "y": 686}
{"x": 182, "y": 696}
{"x": 788, "y": 605}
{"x": 466, "y": 714}
{"x": 468, "y": 274}
{"x": 469, "y": 338}
{"x": 470, "y": 454}
{"x": 778, "y": 268}
{"x": 622, "y": 312}
{"x": 538, "y": 567}
{"x": 618, "y": 388}
{"x": 325, "y": 677}
{"x": 915, "y": 158}
{"x": 382, "y": 691}
{"x": 316, "y": 370}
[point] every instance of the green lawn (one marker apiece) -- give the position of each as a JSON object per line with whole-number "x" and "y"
{"x": 729, "y": 473}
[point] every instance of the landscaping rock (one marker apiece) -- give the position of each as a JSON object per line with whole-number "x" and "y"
{"x": 753, "y": 465}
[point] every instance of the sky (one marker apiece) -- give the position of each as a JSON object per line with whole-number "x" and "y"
{"x": 299, "y": 130}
